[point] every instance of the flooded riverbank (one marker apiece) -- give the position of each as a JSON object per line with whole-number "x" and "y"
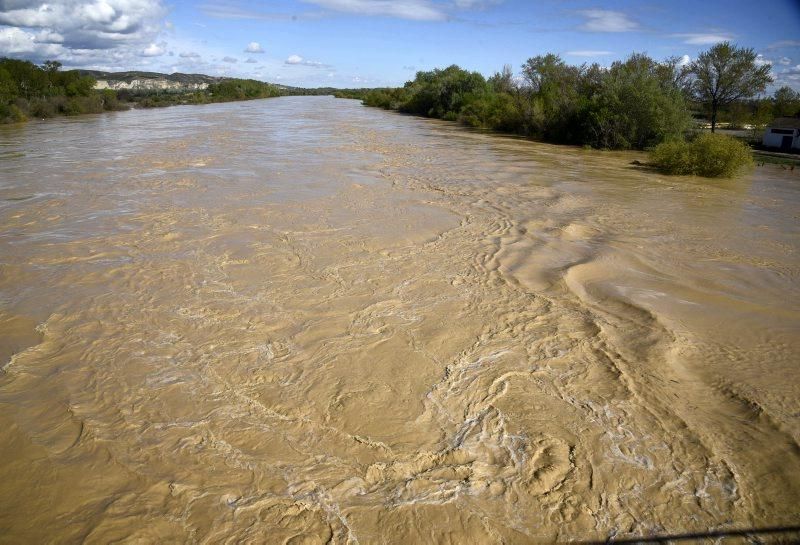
{"x": 301, "y": 320}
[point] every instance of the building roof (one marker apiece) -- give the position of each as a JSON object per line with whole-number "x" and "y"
{"x": 785, "y": 123}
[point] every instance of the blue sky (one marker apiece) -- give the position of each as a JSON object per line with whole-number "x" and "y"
{"x": 357, "y": 43}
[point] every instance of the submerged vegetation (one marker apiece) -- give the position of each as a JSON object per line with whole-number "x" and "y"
{"x": 707, "y": 154}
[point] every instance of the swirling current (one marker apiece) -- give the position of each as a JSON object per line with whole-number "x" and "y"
{"x": 299, "y": 320}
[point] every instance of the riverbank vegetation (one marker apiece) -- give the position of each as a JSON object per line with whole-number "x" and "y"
{"x": 28, "y": 90}
{"x": 705, "y": 154}
{"x": 637, "y": 103}
{"x": 228, "y": 90}
{"x": 31, "y": 91}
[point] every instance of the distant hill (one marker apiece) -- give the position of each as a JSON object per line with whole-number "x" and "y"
{"x": 177, "y": 77}
{"x": 141, "y": 81}
{"x": 153, "y": 81}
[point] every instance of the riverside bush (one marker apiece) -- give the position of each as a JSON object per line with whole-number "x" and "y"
{"x": 710, "y": 155}
{"x": 636, "y": 103}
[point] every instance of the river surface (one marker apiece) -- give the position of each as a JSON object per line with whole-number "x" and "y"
{"x": 300, "y": 320}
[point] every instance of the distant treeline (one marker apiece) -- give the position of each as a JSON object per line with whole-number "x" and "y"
{"x": 227, "y": 90}
{"x": 633, "y": 104}
{"x": 28, "y": 90}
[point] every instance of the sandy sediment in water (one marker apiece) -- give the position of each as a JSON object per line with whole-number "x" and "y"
{"x": 302, "y": 321}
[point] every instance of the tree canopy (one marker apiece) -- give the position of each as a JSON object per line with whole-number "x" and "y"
{"x": 726, "y": 73}
{"x": 633, "y": 104}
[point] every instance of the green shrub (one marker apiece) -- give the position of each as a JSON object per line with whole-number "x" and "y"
{"x": 110, "y": 101}
{"x": 42, "y": 108}
{"x": 72, "y": 107}
{"x": 673, "y": 157}
{"x": 11, "y": 113}
{"x": 720, "y": 156}
{"x": 710, "y": 155}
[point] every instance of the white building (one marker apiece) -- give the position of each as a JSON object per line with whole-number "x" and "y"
{"x": 783, "y": 133}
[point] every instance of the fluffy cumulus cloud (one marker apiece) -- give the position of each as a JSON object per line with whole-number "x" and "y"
{"x": 761, "y": 60}
{"x": 154, "y": 50}
{"x": 87, "y": 24}
{"x": 254, "y": 47}
{"x": 81, "y": 30}
{"x": 602, "y": 20}
{"x": 788, "y": 76}
{"x": 14, "y": 41}
{"x": 297, "y": 60}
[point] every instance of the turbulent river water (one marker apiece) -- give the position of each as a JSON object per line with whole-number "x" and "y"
{"x": 300, "y": 320}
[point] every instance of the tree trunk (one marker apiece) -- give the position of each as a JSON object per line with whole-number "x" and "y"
{"x": 714, "y": 107}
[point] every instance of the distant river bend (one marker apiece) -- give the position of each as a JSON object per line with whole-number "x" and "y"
{"x": 300, "y": 320}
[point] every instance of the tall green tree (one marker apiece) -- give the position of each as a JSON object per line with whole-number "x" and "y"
{"x": 726, "y": 73}
{"x": 555, "y": 99}
{"x": 637, "y": 104}
{"x": 787, "y": 102}
{"x": 51, "y": 66}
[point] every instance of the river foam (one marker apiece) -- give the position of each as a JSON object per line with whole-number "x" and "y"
{"x": 299, "y": 320}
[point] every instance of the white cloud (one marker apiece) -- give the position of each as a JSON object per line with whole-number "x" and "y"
{"x": 153, "y": 50}
{"x": 785, "y": 61}
{"x": 221, "y": 9}
{"x": 88, "y": 24}
{"x": 189, "y": 55}
{"x": 417, "y": 10}
{"x": 100, "y": 34}
{"x": 230, "y": 60}
{"x": 588, "y": 53}
{"x": 251, "y": 60}
{"x": 49, "y": 37}
{"x": 784, "y": 44}
{"x": 788, "y": 76}
{"x": 684, "y": 60}
{"x": 253, "y": 47}
{"x": 475, "y": 4}
{"x": 297, "y": 60}
{"x": 699, "y": 38}
{"x": 601, "y": 20}
{"x": 761, "y": 60}
{"x": 17, "y": 41}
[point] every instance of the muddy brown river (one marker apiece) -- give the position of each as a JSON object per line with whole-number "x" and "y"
{"x": 300, "y": 320}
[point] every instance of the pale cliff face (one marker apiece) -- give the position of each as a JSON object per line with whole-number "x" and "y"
{"x": 142, "y": 84}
